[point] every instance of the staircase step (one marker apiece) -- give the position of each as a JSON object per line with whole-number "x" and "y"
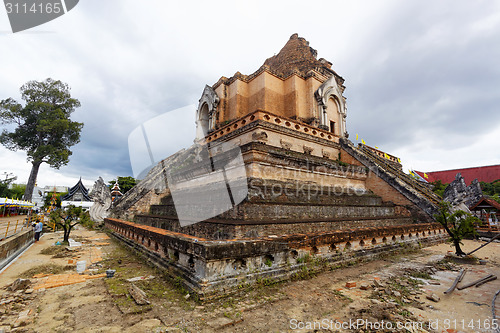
{"x": 226, "y": 229}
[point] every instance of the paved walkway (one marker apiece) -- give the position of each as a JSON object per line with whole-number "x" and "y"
{"x": 90, "y": 252}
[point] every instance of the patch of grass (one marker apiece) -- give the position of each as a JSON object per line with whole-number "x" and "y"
{"x": 58, "y": 251}
{"x": 341, "y": 296}
{"x": 129, "y": 264}
{"x": 405, "y": 313}
{"x": 415, "y": 283}
{"x": 305, "y": 273}
{"x": 117, "y": 286}
{"x": 46, "y": 269}
{"x": 421, "y": 275}
{"x": 268, "y": 262}
{"x": 304, "y": 259}
{"x": 53, "y": 250}
{"x": 229, "y": 302}
{"x": 80, "y": 239}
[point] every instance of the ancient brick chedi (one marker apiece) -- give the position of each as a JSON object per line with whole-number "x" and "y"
{"x": 307, "y": 191}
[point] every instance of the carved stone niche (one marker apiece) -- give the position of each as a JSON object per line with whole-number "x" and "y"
{"x": 260, "y": 137}
{"x": 206, "y": 114}
{"x": 285, "y": 145}
{"x": 330, "y": 89}
{"x": 308, "y": 150}
{"x": 326, "y": 154}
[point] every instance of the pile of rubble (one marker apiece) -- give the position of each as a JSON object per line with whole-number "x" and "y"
{"x": 392, "y": 297}
{"x": 16, "y": 306}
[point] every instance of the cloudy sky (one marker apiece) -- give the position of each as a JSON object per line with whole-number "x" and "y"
{"x": 422, "y": 78}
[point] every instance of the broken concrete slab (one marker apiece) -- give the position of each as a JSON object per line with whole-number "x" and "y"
{"x": 433, "y": 297}
{"x": 364, "y": 286}
{"x": 20, "y": 284}
{"x": 138, "y": 295}
{"x": 141, "y": 278}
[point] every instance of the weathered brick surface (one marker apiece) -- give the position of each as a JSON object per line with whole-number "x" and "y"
{"x": 224, "y": 229}
{"x": 296, "y": 57}
{"x": 210, "y": 268}
{"x": 384, "y": 190}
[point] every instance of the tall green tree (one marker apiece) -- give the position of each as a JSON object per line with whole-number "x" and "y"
{"x": 458, "y": 225}
{"x": 43, "y": 125}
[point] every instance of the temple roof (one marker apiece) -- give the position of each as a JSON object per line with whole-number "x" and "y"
{"x": 486, "y": 174}
{"x": 79, "y": 187}
{"x": 486, "y": 202}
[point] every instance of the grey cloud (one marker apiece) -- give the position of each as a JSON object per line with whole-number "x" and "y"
{"x": 423, "y": 78}
{"x": 414, "y": 73}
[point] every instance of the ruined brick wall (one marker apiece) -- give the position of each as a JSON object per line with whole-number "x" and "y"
{"x": 209, "y": 268}
{"x": 386, "y": 191}
{"x": 377, "y": 185}
{"x": 285, "y": 85}
{"x": 347, "y": 158}
{"x": 241, "y": 229}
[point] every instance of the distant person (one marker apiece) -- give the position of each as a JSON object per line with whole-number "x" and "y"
{"x": 38, "y": 230}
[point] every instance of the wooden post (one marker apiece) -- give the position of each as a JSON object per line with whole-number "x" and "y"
{"x": 7, "y": 231}
{"x": 15, "y": 229}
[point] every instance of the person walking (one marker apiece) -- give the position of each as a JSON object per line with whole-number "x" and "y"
{"x": 38, "y": 230}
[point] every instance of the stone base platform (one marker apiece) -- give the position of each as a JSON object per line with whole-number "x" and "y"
{"x": 211, "y": 268}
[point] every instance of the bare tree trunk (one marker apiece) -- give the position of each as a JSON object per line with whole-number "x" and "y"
{"x": 28, "y": 193}
{"x": 66, "y": 234}
{"x": 458, "y": 249}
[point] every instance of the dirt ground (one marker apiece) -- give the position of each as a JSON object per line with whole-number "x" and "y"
{"x": 396, "y": 294}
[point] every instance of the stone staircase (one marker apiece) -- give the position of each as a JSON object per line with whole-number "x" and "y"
{"x": 264, "y": 214}
{"x": 416, "y": 192}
